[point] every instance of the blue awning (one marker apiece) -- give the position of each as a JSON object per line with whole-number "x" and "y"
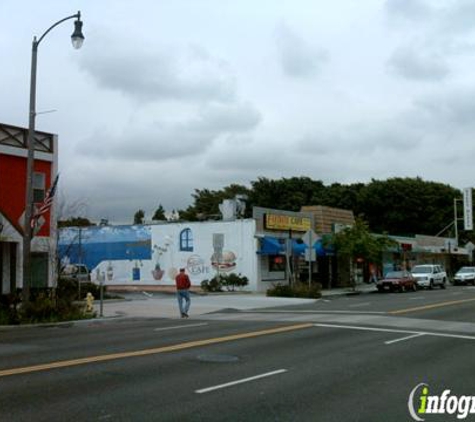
{"x": 273, "y": 246}
{"x": 300, "y": 248}
{"x": 270, "y": 246}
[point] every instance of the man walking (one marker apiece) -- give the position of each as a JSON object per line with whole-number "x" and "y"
{"x": 183, "y": 285}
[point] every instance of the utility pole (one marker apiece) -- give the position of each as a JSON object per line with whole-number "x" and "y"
{"x": 455, "y": 222}
{"x": 79, "y": 261}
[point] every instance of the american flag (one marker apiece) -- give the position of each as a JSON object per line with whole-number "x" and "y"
{"x": 46, "y": 204}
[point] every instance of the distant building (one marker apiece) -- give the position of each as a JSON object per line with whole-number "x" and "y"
{"x": 13, "y": 158}
{"x": 329, "y": 219}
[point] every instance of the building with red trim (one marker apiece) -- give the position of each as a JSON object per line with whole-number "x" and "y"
{"x": 13, "y": 159}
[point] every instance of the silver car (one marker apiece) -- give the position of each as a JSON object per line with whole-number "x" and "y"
{"x": 466, "y": 275}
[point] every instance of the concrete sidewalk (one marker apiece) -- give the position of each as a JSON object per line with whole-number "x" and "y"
{"x": 166, "y": 306}
{"x": 146, "y": 304}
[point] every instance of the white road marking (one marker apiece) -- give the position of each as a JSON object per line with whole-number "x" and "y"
{"x": 404, "y": 338}
{"x": 417, "y": 298}
{"x": 315, "y": 312}
{"x": 175, "y": 327}
{"x": 389, "y": 330}
{"x": 241, "y": 381}
{"x": 359, "y": 304}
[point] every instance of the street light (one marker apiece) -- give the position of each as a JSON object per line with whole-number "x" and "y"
{"x": 77, "y": 39}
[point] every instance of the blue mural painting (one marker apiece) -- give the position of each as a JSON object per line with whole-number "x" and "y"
{"x": 92, "y": 245}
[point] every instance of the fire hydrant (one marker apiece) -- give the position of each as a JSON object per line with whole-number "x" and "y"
{"x": 89, "y": 302}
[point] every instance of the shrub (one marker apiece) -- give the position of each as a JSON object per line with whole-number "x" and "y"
{"x": 9, "y": 308}
{"x": 68, "y": 288}
{"x": 213, "y": 285}
{"x": 229, "y": 281}
{"x": 233, "y": 280}
{"x": 300, "y": 290}
{"x": 46, "y": 307}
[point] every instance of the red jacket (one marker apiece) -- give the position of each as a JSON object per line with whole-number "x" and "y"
{"x": 182, "y": 281}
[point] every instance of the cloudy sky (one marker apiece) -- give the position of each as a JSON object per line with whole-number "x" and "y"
{"x": 168, "y": 96}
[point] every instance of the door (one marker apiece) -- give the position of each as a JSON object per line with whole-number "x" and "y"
{"x": 13, "y": 263}
{"x": 39, "y": 270}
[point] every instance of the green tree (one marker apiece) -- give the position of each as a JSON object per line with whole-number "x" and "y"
{"x": 356, "y": 242}
{"x": 407, "y": 206}
{"x": 75, "y": 222}
{"x": 347, "y": 197}
{"x": 159, "y": 214}
{"x": 139, "y": 217}
{"x": 206, "y": 202}
{"x": 286, "y": 194}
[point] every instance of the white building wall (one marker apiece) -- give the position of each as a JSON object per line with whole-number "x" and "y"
{"x": 10, "y": 235}
{"x": 239, "y": 241}
{"x": 168, "y": 258}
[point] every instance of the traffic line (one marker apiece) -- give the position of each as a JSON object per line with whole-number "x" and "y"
{"x": 241, "y": 381}
{"x": 404, "y": 338}
{"x": 176, "y": 327}
{"x": 311, "y": 312}
{"x": 153, "y": 351}
{"x": 433, "y": 306}
{"x": 391, "y": 330}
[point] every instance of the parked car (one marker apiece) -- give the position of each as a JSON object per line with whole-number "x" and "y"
{"x": 397, "y": 281}
{"x": 429, "y": 275}
{"x": 76, "y": 272}
{"x": 466, "y": 275}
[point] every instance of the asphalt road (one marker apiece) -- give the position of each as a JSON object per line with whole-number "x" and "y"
{"x": 344, "y": 359}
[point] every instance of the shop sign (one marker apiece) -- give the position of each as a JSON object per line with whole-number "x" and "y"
{"x": 286, "y": 222}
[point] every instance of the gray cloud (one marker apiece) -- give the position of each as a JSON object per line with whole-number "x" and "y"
{"x": 319, "y": 144}
{"x": 454, "y": 109}
{"x": 298, "y": 58}
{"x": 365, "y": 138}
{"x": 458, "y": 16}
{"x": 159, "y": 141}
{"x": 418, "y": 65}
{"x": 412, "y": 10}
{"x": 189, "y": 75}
{"x": 245, "y": 155}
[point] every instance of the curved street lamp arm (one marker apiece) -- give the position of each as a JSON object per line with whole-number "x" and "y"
{"x": 77, "y": 15}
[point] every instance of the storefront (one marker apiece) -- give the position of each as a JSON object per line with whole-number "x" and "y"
{"x": 282, "y": 252}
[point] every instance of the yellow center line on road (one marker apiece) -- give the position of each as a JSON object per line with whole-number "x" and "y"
{"x": 145, "y": 352}
{"x": 433, "y": 306}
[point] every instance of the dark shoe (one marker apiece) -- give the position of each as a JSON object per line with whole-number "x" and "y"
{"x": 185, "y": 315}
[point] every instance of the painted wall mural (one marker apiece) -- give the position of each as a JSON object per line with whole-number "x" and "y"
{"x": 153, "y": 255}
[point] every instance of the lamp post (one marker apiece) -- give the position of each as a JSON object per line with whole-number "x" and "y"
{"x": 77, "y": 39}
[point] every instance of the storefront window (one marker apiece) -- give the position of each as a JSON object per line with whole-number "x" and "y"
{"x": 276, "y": 263}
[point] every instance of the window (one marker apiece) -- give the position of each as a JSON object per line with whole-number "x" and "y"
{"x": 276, "y": 263}
{"x": 186, "y": 240}
{"x": 38, "y": 187}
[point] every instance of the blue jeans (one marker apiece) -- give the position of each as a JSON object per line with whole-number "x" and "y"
{"x": 183, "y": 294}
